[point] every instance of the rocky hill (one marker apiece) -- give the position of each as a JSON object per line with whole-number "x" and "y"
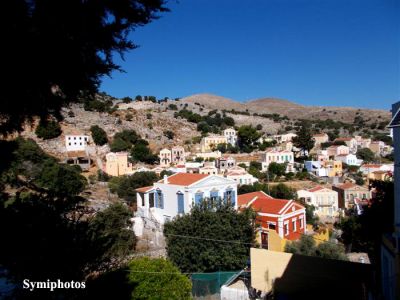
{"x": 290, "y": 109}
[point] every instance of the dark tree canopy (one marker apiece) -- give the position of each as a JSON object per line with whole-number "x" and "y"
{"x": 304, "y": 139}
{"x": 219, "y": 223}
{"x": 57, "y": 51}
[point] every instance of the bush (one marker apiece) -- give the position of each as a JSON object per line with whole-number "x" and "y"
{"x": 169, "y": 134}
{"x": 172, "y": 107}
{"x": 99, "y": 136}
{"x": 48, "y": 130}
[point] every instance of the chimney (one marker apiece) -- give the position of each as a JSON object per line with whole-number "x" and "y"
{"x": 165, "y": 179}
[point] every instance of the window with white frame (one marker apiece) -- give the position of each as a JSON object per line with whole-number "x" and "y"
{"x": 301, "y": 222}
{"x": 294, "y": 225}
{"x": 286, "y": 227}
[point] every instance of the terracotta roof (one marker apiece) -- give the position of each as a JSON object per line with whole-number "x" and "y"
{"x": 184, "y": 179}
{"x": 317, "y": 188}
{"x": 274, "y": 206}
{"x": 349, "y": 185}
{"x": 371, "y": 166}
{"x": 246, "y": 198}
{"x": 144, "y": 189}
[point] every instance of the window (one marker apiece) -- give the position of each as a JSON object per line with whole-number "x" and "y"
{"x": 286, "y": 226}
{"x": 301, "y": 222}
{"x": 294, "y": 225}
{"x": 143, "y": 199}
{"x": 198, "y": 197}
{"x": 151, "y": 199}
{"x": 69, "y": 144}
{"x": 271, "y": 225}
{"x": 181, "y": 208}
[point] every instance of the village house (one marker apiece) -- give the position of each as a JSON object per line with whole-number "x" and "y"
{"x": 224, "y": 163}
{"x": 279, "y": 157}
{"x": 362, "y": 142}
{"x": 350, "y": 193}
{"x": 240, "y": 175}
{"x": 210, "y": 143}
{"x": 174, "y": 156}
{"x": 337, "y": 150}
{"x": 322, "y": 155}
{"x": 350, "y": 142}
{"x": 285, "y": 217}
{"x": 320, "y": 138}
{"x": 208, "y": 155}
{"x": 377, "y": 147}
{"x": 329, "y": 168}
{"x": 282, "y": 138}
{"x": 177, "y": 194}
{"x": 231, "y": 136}
{"x": 209, "y": 168}
{"x": 117, "y": 164}
{"x": 366, "y": 169}
{"x": 77, "y": 152}
{"x": 349, "y": 159}
{"x": 325, "y": 200}
{"x": 76, "y": 142}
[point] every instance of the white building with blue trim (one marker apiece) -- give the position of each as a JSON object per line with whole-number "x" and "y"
{"x": 177, "y": 194}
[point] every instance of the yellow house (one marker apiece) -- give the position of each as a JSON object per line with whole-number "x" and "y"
{"x": 333, "y": 167}
{"x": 210, "y": 143}
{"x": 117, "y": 164}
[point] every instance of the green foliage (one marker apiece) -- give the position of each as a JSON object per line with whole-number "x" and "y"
{"x": 124, "y": 140}
{"x": 127, "y": 100}
{"x": 169, "y": 134}
{"x": 304, "y": 139}
{"x": 222, "y": 148}
{"x": 60, "y": 179}
{"x": 48, "y": 130}
{"x": 166, "y": 282}
{"x": 99, "y": 135}
{"x": 129, "y": 117}
{"x": 141, "y": 152}
{"x": 282, "y": 191}
{"x": 43, "y": 83}
{"x": 307, "y": 246}
{"x": 172, "y": 107}
{"x": 149, "y": 116}
{"x": 259, "y": 127}
{"x": 125, "y": 186}
{"x": 221, "y": 222}
{"x": 248, "y": 136}
{"x": 213, "y": 122}
{"x": 363, "y": 233}
{"x": 311, "y": 217}
{"x": 111, "y": 233}
{"x": 365, "y": 154}
{"x": 277, "y": 169}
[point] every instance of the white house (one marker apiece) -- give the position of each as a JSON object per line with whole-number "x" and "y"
{"x": 224, "y": 163}
{"x": 279, "y": 157}
{"x": 349, "y": 159}
{"x": 282, "y": 138}
{"x": 178, "y": 193}
{"x": 76, "y": 142}
{"x": 337, "y": 150}
{"x": 350, "y": 142}
{"x": 231, "y": 136}
{"x": 240, "y": 175}
{"x": 325, "y": 200}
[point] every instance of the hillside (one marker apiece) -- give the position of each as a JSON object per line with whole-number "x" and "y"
{"x": 290, "y": 109}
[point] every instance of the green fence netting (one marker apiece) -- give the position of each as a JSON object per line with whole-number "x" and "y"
{"x": 210, "y": 283}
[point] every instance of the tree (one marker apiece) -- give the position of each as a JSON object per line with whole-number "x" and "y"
{"x": 277, "y": 169}
{"x": 259, "y": 127}
{"x": 99, "y": 135}
{"x": 169, "y": 134}
{"x": 127, "y": 100}
{"x": 111, "y": 233}
{"x": 248, "y": 136}
{"x": 282, "y": 191}
{"x": 124, "y": 140}
{"x": 141, "y": 152}
{"x": 172, "y": 107}
{"x": 48, "y": 130}
{"x": 191, "y": 238}
{"x": 366, "y": 154}
{"x": 307, "y": 246}
{"x": 72, "y": 43}
{"x": 157, "y": 278}
{"x": 125, "y": 186}
{"x": 138, "y": 98}
{"x": 304, "y": 139}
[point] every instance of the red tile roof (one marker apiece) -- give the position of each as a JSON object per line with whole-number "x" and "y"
{"x": 184, "y": 179}
{"x": 371, "y": 166}
{"x": 244, "y": 199}
{"x": 270, "y": 206}
{"x": 144, "y": 189}
{"x": 315, "y": 189}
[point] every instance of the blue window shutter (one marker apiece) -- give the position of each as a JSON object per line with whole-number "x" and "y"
{"x": 214, "y": 194}
{"x": 161, "y": 199}
{"x": 198, "y": 197}
{"x": 181, "y": 209}
{"x": 156, "y": 199}
{"x": 225, "y": 197}
{"x": 233, "y": 198}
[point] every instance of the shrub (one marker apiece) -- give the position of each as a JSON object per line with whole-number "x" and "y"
{"x": 48, "y": 130}
{"x": 99, "y": 136}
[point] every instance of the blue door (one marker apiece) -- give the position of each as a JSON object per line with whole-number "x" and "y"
{"x": 198, "y": 197}
{"x": 181, "y": 208}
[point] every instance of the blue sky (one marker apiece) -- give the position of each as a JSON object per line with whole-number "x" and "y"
{"x": 313, "y": 52}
